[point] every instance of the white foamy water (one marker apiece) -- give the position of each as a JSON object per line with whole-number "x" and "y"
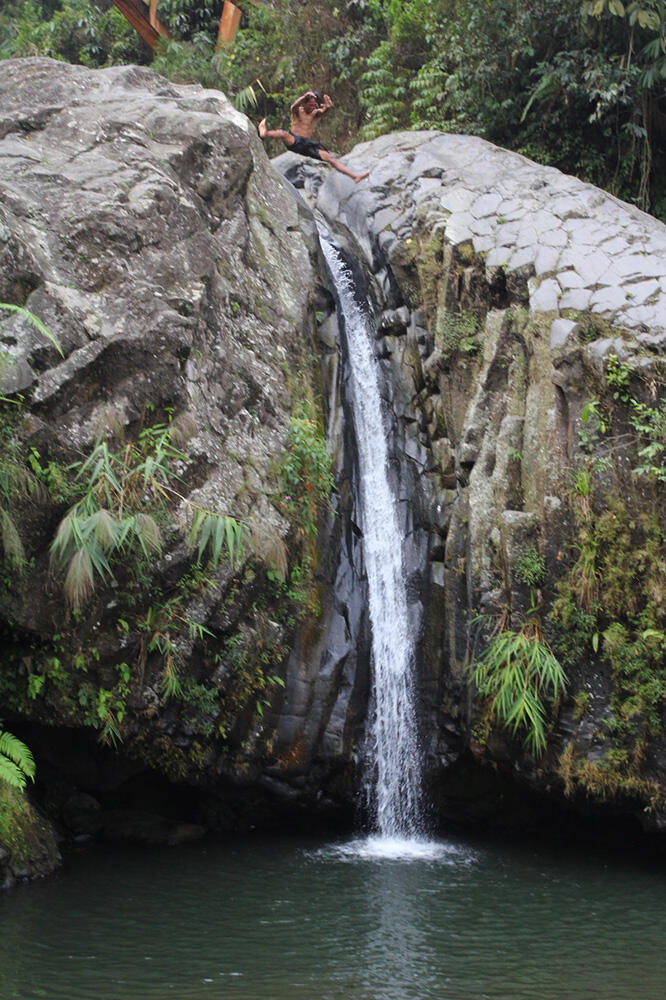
{"x": 379, "y": 848}
{"x": 396, "y": 779}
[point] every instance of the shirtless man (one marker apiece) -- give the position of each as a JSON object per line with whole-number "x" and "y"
{"x": 305, "y": 113}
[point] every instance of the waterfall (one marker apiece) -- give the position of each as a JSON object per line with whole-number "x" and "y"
{"x": 393, "y": 744}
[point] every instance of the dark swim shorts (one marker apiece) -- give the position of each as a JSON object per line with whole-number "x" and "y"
{"x": 306, "y": 147}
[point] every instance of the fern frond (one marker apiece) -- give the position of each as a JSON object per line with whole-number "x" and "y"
{"x": 11, "y": 540}
{"x": 79, "y": 579}
{"x": 16, "y": 761}
{"x": 11, "y": 774}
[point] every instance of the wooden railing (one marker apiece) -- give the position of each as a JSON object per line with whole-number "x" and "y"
{"x": 151, "y": 29}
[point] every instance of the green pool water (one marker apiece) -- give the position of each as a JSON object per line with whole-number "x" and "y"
{"x": 299, "y": 919}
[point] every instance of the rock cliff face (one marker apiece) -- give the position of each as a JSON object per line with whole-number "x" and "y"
{"x": 523, "y": 331}
{"x": 142, "y": 223}
{"x": 522, "y": 325}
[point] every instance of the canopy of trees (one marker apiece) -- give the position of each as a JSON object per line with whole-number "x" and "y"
{"x": 578, "y": 84}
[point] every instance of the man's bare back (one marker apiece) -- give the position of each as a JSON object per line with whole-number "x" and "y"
{"x": 305, "y": 113}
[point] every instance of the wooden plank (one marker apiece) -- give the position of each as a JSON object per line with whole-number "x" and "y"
{"x": 136, "y": 14}
{"x": 152, "y": 13}
{"x": 231, "y": 15}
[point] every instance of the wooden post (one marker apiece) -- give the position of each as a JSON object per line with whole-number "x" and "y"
{"x": 231, "y": 15}
{"x": 149, "y": 27}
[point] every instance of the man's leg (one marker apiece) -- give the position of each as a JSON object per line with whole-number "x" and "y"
{"x": 275, "y": 133}
{"x": 329, "y": 158}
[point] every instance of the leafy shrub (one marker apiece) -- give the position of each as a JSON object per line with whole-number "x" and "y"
{"x": 306, "y": 474}
{"x": 521, "y": 676}
{"x": 530, "y": 567}
{"x": 456, "y": 333}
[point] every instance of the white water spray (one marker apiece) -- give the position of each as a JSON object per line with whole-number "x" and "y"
{"x": 396, "y": 786}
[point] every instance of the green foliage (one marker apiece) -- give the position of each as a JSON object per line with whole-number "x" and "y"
{"x": 521, "y": 676}
{"x": 12, "y": 546}
{"x": 592, "y": 426}
{"x": 456, "y": 333}
{"x": 193, "y": 61}
{"x": 648, "y": 422}
{"x": 186, "y": 18}
{"x": 108, "y": 518}
{"x": 306, "y": 474}
{"x": 201, "y": 704}
{"x": 78, "y": 31}
{"x": 214, "y": 534}
{"x": 164, "y": 628}
{"x": 530, "y": 567}
{"x": 611, "y": 603}
{"x": 252, "y": 657}
{"x": 16, "y": 761}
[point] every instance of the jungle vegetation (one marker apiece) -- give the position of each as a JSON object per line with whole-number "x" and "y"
{"x": 576, "y": 84}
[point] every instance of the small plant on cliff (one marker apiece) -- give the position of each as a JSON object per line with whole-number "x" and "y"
{"x": 16, "y": 761}
{"x": 456, "y": 333}
{"x": 521, "y": 675}
{"x": 118, "y": 487}
{"x": 212, "y": 534}
{"x": 530, "y": 567}
{"x": 648, "y": 422}
{"x": 16, "y": 479}
{"x": 107, "y": 518}
{"x": 306, "y": 474}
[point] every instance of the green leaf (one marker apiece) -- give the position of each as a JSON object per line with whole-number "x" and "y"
{"x": 522, "y": 673}
{"x": 11, "y": 540}
{"x": 36, "y": 322}
{"x": 16, "y": 761}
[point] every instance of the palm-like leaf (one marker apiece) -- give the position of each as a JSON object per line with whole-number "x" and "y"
{"x": 214, "y": 532}
{"x": 16, "y": 761}
{"x": 11, "y": 540}
{"x": 520, "y": 673}
{"x": 36, "y": 322}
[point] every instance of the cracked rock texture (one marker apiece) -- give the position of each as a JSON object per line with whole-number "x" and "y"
{"x": 502, "y": 289}
{"x": 142, "y": 223}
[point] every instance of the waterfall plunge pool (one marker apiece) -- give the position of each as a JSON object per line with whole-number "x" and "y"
{"x": 299, "y": 919}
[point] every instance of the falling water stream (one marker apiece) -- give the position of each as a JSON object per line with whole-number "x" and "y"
{"x": 388, "y": 917}
{"x": 394, "y": 752}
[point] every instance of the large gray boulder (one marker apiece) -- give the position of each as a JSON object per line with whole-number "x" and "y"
{"x": 141, "y": 221}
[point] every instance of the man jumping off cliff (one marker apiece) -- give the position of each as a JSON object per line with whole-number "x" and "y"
{"x": 305, "y": 113}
